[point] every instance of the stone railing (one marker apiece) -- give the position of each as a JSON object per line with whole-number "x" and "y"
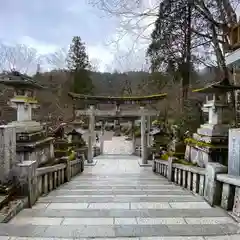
{"x": 188, "y": 177}
{"x": 77, "y": 166}
{"x": 229, "y": 193}
{"x": 161, "y": 167}
{"x": 212, "y": 182}
{"x": 49, "y": 178}
{"x": 35, "y": 181}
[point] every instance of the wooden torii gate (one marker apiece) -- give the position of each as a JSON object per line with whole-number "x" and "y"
{"x": 118, "y": 113}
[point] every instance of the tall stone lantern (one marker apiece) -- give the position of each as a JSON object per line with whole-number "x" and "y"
{"x": 210, "y": 142}
{"x": 32, "y": 142}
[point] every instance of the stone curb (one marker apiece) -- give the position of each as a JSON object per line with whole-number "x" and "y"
{"x": 23, "y": 203}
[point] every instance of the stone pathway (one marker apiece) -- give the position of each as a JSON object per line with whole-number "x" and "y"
{"x": 118, "y": 145}
{"x": 118, "y": 199}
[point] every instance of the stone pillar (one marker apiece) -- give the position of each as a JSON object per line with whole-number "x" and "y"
{"x": 27, "y": 177}
{"x": 133, "y": 138}
{"x": 143, "y": 137}
{"x": 91, "y": 134}
{"x": 212, "y": 190}
{"x": 7, "y": 152}
{"x": 148, "y": 130}
{"x": 234, "y": 152}
{"x": 101, "y": 137}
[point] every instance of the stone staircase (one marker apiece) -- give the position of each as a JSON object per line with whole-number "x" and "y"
{"x": 118, "y": 199}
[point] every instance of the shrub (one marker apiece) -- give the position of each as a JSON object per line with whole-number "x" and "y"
{"x": 137, "y": 133}
{"x": 72, "y": 156}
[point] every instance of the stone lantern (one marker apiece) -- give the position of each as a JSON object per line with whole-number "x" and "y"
{"x": 210, "y": 143}
{"x": 31, "y": 140}
{"x": 24, "y": 100}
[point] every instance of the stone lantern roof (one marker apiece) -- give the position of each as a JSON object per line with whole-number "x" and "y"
{"x": 222, "y": 86}
{"x": 17, "y": 80}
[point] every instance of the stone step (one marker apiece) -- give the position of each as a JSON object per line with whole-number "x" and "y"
{"x": 121, "y": 213}
{"x": 130, "y": 205}
{"x": 230, "y": 237}
{"x": 116, "y": 231}
{"x": 119, "y": 192}
{"x": 122, "y": 199}
{"x": 117, "y": 221}
{"x": 120, "y": 187}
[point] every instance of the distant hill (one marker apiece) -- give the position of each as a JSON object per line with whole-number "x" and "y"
{"x": 54, "y": 100}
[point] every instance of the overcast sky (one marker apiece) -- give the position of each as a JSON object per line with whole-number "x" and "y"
{"x": 48, "y": 25}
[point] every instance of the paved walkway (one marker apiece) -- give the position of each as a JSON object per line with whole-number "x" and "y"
{"x": 117, "y": 145}
{"x": 118, "y": 199}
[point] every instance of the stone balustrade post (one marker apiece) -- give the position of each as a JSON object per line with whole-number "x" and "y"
{"x": 67, "y": 173}
{"x": 170, "y": 169}
{"x": 154, "y": 165}
{"x": 213, "y": 191}
{"x": 27, "y": 178}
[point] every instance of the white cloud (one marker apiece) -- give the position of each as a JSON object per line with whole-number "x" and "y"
{"x": 104, "y": 55}
{"x": 42, "y": 48}
{"x": 100, "y": 52}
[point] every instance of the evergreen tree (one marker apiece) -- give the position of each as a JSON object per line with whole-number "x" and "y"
{"x": 78, "y": 64}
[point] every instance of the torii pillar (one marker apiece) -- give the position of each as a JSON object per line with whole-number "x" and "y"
{"x": 144, "y": 156}
{"x": 91, "y": 136}
{"x": 133, "y": 137}
{"x": 101, "y": 137}
{"x": 148, "y": 131}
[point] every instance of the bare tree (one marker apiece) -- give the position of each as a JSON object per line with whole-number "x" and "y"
{"x": 137, "y": 18}
{"x": 94, "y": 64}
{"x": 58, "y": 59}
{"x": 18, "y": 57}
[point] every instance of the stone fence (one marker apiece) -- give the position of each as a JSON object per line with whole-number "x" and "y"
{"x": 35, "y": 182}
{"x": 212, "y": 182}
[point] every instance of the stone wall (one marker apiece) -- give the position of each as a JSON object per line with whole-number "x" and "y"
{"x": 213, "y": 182}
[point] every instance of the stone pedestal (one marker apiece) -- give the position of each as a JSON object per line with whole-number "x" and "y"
{"x": 32, "y": 142}
{"x": 7, "y": 152}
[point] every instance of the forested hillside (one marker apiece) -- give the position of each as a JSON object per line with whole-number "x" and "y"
{"x": 54, "y": 100}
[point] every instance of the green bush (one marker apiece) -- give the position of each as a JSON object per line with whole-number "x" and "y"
{"x": 137, "y": 133}
{"x": 72, "y": 156}
{"x": 184, "y": 162}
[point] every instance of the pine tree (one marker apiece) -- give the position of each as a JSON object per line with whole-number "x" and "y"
{"x": 78, "y": 65}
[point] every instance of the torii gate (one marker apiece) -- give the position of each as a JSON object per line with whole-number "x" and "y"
{"x": 117, "y": 113}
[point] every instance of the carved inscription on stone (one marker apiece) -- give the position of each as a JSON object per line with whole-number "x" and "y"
{"x": 234, "y": 152}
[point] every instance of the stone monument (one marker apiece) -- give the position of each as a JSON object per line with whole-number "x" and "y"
{"x": 7, "y": 153}
{"x": 234, "y": 152}
{"x": 31, "y": 139}
{"x": 210, "y": 143}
